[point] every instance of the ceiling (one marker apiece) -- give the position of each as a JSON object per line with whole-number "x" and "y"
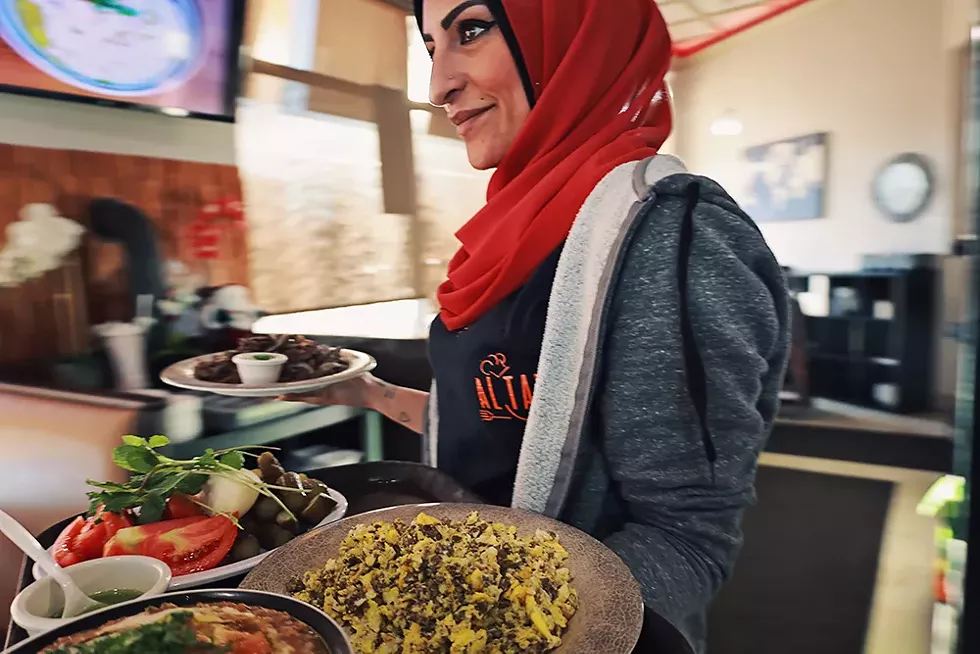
{"x": 698, "y": 24}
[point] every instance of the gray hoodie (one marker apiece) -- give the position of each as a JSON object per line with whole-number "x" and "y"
{"x": 664, "y": 351}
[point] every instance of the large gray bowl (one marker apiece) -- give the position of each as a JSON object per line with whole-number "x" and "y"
{"x": 610, "y": 614}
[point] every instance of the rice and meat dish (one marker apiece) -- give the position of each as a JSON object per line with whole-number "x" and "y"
{"x": 307, "y": 359}
{"x": 199, "y": 629}
{"x": 432, "y": 586}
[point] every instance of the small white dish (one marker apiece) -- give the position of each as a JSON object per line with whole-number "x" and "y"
{"x": 198, "y": 579}
{"x": 181, "y": 375}
{"x": 43, "y": 598}
{"x": 75, "y": 602}
{"x": 259, "y": 368}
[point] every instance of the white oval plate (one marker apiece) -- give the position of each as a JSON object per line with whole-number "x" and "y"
{"x": 239, "y": 567}
{"x": 181, "y": 375}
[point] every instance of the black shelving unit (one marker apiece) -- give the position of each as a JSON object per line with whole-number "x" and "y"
{"x": 851, "y": 352}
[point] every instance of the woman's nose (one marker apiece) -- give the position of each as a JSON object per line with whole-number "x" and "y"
{"x": 444, "y": 83}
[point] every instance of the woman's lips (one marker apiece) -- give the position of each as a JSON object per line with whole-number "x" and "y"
{"x": 465, "y": 121}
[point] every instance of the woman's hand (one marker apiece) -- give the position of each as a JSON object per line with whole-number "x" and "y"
{"x": 355, "y": 392}
{"x": 405, "y": 406}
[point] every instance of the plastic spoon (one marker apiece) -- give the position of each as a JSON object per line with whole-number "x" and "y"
{"x": 76, "y": 602}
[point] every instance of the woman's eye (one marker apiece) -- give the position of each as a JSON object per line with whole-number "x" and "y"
{"x": 471, "y": 30}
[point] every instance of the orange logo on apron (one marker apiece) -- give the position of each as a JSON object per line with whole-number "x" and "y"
{"x": 503, "y": 396}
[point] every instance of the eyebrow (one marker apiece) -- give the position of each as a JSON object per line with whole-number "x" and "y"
{"x": 453, "y": 14}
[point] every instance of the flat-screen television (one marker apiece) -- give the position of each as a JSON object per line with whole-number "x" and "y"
{"x": 176, "y": 56}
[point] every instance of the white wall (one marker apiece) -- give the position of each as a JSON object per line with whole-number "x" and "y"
{"x": 45, "y": 123}
{"x": 881, "y": 76}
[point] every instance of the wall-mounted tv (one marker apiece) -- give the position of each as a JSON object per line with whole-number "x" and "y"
{"x": 177, "y": 56}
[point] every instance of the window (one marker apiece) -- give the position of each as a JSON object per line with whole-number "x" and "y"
{"x": 419, "y": 64}
{"x": 318, "y": 233}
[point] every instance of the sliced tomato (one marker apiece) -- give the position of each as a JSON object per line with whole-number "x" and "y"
{"x": 63, "y": 553}
{"x": 97, "y": 532}
{"x": 162, "y": 527}
{"x": 114, "y": 522}
{"x": 89, "y": 543}
{"x": 253, "y": 644}
{"x": 84, "y": 539}
{"x": 132, "y": 539}
{"x": 198, "y": 546}
{"x": 186, "y": 545}
{"x": 181, "y": 506}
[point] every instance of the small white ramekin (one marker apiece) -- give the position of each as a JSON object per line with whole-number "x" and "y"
{"x": 33, "y": 606}
{"x": 259, "y": 368}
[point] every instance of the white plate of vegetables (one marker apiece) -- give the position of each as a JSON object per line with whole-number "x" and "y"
{"x": 209, "y": 518}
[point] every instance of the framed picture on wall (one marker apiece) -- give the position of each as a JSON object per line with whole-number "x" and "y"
{"x": 787, "y": 180}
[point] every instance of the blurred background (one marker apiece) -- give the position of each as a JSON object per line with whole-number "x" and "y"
{"x": 291, "y": 177}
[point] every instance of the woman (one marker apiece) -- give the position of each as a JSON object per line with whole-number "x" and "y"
{"x": 635, "y": 304}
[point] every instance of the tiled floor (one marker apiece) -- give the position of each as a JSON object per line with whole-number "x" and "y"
{"x": 902, "y": 612}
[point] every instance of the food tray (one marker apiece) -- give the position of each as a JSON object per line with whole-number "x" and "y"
{"x": 609, "y": 615}
{"x": 367, "y": 486}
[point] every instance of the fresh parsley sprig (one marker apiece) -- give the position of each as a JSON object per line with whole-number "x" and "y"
{"x": 155, "y": 477}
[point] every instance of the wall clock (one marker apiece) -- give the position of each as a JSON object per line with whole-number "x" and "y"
{"x": 903, "y": 187}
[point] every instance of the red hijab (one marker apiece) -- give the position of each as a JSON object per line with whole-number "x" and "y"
{"x": 597, "y": 70}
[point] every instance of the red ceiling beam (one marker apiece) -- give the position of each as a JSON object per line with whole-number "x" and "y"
{"x": 692, "y": 47}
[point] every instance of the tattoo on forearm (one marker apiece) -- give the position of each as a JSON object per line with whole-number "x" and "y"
{"x": 403, "y": 417}
{"x": 389, "y": 390}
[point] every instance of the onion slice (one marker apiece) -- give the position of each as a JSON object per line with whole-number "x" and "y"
{"x": 227, "y": 496}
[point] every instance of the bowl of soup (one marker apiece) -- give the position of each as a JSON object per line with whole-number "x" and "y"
{"x": 231, "y": 620}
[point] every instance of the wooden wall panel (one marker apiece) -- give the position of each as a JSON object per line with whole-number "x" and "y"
{"x": 169, "y": 192}
{"x": 345, "y": 26}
